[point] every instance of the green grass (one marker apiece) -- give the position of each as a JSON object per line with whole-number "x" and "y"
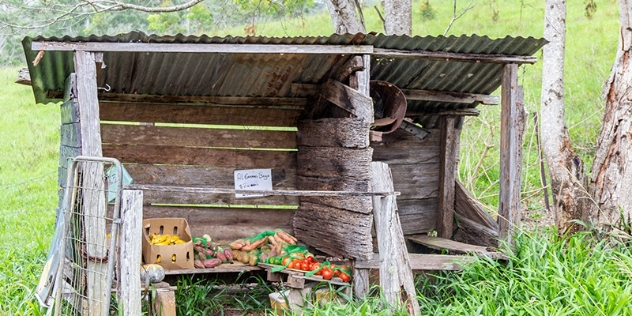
{"x": 545, "y": 275}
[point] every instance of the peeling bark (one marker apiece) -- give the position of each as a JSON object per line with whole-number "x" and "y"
{"x": 611, "y": 180}
{"x": 344, "y": 17}
{"x": 566, "y": 168}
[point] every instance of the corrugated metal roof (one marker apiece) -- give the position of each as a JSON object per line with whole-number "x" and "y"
{"x": 213, "y": 74}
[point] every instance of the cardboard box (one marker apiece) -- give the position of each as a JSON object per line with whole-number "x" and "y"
{"x": 278, "y": 302}
{"x": 183, "y": 254}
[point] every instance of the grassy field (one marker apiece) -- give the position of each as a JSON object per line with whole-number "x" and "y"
{"x": 544, "y": 276}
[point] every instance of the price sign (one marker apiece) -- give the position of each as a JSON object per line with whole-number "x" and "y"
{"x": 253, "y": 179}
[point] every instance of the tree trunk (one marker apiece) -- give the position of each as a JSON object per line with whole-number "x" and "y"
{"x": 611, "y": 181}
{"x": 344, "y": 17}
{"x": 398, "y": 17}
{"x": 565, "y": 167}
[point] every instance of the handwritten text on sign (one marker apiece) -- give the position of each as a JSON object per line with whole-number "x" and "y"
{"x": 253, "y": 179}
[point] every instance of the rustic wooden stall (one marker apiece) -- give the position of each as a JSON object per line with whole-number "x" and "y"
{"x": 182, "y": 113}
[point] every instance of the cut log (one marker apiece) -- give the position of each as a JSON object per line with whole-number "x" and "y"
{"x": 331, "y": 162}
{"x": 339, "y": 132}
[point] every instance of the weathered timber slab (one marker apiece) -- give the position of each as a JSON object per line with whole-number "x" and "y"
{"x": 394, "y": 154}
{"x": 331, "y": 162}
{"x": 423, "y": 262}
{"x": 265, "y": 192}
{"x": 360, "y": 204}
{"x": 226, "y": 224}
{"x": 332, "y": 184}
{"x": 351, "y": 100}
{"x": 130, "y": 244}
{"x": 454, "y": 246}
{"x": 471, "y": 232}
{"x": 219, "y": 100}
{"x": 396, "y": 276}
{"x": 420, "y": 181}
{"x": 334, "y": 132}
{"x": 417, "y": 216}
{"x": 69, "y": 112}
{"x": 282, "y": 178}
{"x": 222, "y": 268}
{"x": 448, "y": 165}
{"x": 70, "y": 135}
{"x": 192, "y": 198}
{"x": 334, "y": 231}
{"x": 226, "y": 158}
{"x": 199, "y": 114}
{"x": 196, "y": 137}
{"x": 469, "y": 207}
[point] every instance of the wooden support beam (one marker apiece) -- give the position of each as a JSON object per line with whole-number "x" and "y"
{"x": 511, "y": 128}
{"x": 396, "y": 276}
{"x": 352, "y": 65}
{"x": 202, "y": 48}
{"x": 93, "y": 200}
{"x": 446, "y": 56}
{"x": 264, "y": 192}
{"x": 348, "y": 99}
{"x": 448, "y": 161}
{"x": 451, "y": 97}
{"x": 130, "y": 244}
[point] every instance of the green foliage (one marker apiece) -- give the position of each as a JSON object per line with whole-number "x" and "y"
{"x": 427, "y": 12}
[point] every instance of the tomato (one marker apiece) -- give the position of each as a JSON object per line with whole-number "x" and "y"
{"x": 316, "y": 266}
{"x": 344, "y": 268}
{"x": 344, "y": 277}
{"x": 295, "y": 264}
{"x": 326, "y": 273}
{"x": 285, "y": 261}
{"x": 305, "y": 265}
{"x": 310, "y": 259}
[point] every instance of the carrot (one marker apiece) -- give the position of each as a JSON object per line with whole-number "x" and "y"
{"x": 285, "y": 237}
{"x": 237, "y": 244}
{"x": 255, "y": 244}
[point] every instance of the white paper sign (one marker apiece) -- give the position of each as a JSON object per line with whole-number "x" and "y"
{"x": 253, "y": 179}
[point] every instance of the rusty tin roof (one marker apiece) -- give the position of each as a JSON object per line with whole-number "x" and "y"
{"x": 272, "y": 75}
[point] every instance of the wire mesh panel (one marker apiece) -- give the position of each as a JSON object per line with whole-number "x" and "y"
{"x": 91, "y": 211}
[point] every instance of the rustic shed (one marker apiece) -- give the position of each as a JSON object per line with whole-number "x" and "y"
{"x": 182, "y": 113}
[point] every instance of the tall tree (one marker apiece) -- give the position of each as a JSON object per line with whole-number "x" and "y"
{"x": 345, "y": 17}
{"x": 611, "y": 178}
{"x": 566, "y": 168}
{"x": 398, "y": 17}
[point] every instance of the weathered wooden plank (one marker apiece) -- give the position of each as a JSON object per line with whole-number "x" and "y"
{"x": 396, "y": 276}
{"x": 403, "y": 138}
{"x": 294, "y": 102}
{"x": 70, "y": 135}
{"x": 130, "y": 244}
{"x": 66, "y": 152}
{"x": 199, "y": 114}
{"x": 424, "y": 262}
{"x": 451, "y": 97}
{"x": 282, "y": 178}
{"x": 334, "y": 162}
{"x": 226, "y": 158}
{"x": 360, "y": 80}
{"x": 304, "y": 89}
{"x": 417, "y": 216}
{"x": 419, "y": 181}
{"x": 93, "y": 206}
{"x": 334, "y": 231}
{"x": 226, "y": 224}
{"x": 202, "y": 48}
{"x": 69, "y": 112}
{"x": 447, "y": 56}
{"x": 348, "y": 99}
{"x": 471, "y": 232}
{"x": 334, "y": 132}
{"x": 395, "y": 154}
{"x": 510, "y": 154}
{"x": 267, "y": 192}
{"x": 196, "y": 137}
{"x": 469, "y": 207}
{"x": 447, "y": 176}
{"x": 222, "y": 268}
{"x": 167, "y": 197}
{"x": 438, "y": 243}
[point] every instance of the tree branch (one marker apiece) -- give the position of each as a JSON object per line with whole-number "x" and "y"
{"x": 455, "y": 17}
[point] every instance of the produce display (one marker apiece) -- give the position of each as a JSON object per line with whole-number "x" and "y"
{"x": 165, "y": 239}
{"x": 209, "y": 254}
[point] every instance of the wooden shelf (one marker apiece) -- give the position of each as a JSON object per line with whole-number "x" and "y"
{"x": 222, "y": 268}
{"x": 300, "y": 275}
{"x": 455, "y": 246}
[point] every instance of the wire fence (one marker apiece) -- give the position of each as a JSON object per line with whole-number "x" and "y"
{"x": 87, "y": 228}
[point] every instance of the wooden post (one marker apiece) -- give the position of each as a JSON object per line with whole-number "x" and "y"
{"x": 360, "y": 80}
{"x": 130, "y": 243}
{"x": 396, "y": 276}
{"x": 511, "y": 125}
{"x": 447, "y": 176}
{"x": 93, "y": 198}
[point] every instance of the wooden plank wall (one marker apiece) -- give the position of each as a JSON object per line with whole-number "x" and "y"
{"x": 415, "y": 167}
{"x": 156, "y": 148}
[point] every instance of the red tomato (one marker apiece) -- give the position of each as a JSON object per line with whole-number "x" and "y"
{"x": 316, "y": 266}
{"x": 344, "y": 277}
{"x": 295, "y": 264}
{"x": 310, "y": 259}
{"x": 305, "y": 265}
{"x": 285, "y": 261}
{"x": 326, "y": 273}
